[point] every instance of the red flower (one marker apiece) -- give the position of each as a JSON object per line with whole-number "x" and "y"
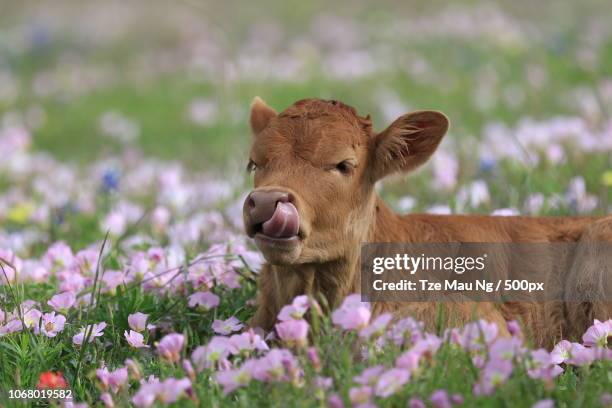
{"x": 52, "y": 380}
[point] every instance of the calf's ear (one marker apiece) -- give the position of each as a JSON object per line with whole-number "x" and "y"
{"x": 260, "y": 115}
{"x": 408, "y": 142}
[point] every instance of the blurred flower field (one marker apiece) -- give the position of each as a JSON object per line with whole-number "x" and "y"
{"x": 125, "y": 273}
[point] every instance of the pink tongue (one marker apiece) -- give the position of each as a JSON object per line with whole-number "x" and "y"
{"x": 285, "y": 222}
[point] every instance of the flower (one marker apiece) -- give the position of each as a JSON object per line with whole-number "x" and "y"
{"x": 542, "y": 366}
{"x": 62, "y": 302}
{"x": 227, "y": 326}
{"x": 215, "y": 352}
{"x": 138, "y": 321}
{"x": 204, "y": 300}
{"x": 188, "y": 368}
{"x": 114, "y": 380}
{"x": 135, "y": 339}
{"x": 50, "y": 379}
{"x": 391, "y": 381}
{"x": 107, "y": 399}
{"x": 295, "y": 310}
{"x": 248, "y": 341}
{"x": 495, "y": 373}
{"x": 370, "y": 375}
{"x": 440, "y": 399}
{"x": 313, "y": 356}
{"x": 170, "y": 346}
{"x": 52, "y": 324}
{"x": 353, "y": 314}
{"x": 32, "y": 318}
{"x": 580, "y": 355}
{"x": 545, "y": 403}
{"x": 335, "y": 401}
{"x": 94, "y": 331}
{"x": 360, "y": 396}
{"x": 377, "y": 327}
{"x": 416, "y": 403}
{"x": 231, "y": 380}
{"x": 598, "y": 334}
{"x": 293, "y": 332}
{"x": 561, "y": 352}
{"x": 166, "y": 392}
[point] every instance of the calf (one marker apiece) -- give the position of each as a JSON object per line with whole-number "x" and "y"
{"x": 315, "y": 166}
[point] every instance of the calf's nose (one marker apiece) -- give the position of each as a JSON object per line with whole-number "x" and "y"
{"x": 261, "y": 205}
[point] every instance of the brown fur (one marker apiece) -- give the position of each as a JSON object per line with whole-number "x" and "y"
{"x": 297, "y": 151}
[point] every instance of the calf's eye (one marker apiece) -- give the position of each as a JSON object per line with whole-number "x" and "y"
{"x": 345, "y": 167}
{"x": 251, "y": 167}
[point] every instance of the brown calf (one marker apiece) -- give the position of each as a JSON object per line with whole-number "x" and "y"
{"x": 315, "y": 166}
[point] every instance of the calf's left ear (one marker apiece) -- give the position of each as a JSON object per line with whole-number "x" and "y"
{"x": 408, "y": 142}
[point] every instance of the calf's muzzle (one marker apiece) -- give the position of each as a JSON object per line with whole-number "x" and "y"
{"x": 271, "y": 213}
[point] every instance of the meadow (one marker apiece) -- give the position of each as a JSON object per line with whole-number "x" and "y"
{"x": 125, "y": 274}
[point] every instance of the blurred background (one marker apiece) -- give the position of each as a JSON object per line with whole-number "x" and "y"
{"x": 527, "y": 86}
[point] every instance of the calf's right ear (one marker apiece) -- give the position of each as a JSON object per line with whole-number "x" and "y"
{"x": 408, "y": 142}
{"x": 261, "y": 114}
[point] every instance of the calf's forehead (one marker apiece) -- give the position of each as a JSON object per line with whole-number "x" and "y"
{"x": 310, "y": 138}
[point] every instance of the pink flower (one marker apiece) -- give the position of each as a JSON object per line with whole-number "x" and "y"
{"x": 277, "y": 365}
{"x": 114, "y": 380}
{"x": 506, "y": 348}
{"x": 58, "y": 256}
{"x": 166, "y": 392}
{"x": 293, "y": 332}
{"x": 561, "y": 352}
{"x": 353, "y": 314}
{"x": 31, "y": 318}
{"x": 248, "y": 341}
{"x": 204, "y": 300}
{"x": 335, "y": 401}
{"x": 370, "y": 375}
{"x": 598, "y": 334}
{"x": 52, "y": 324}
{"x": 440, "y": 399}
{"x": 228, "y": 326}
{"x": 377, "y": 327}
{"x": 580, "y": 355}
{"x": 295, "y": 310}
{"x": 113, "y": 279}
{"x": 138, "y": 321}
{"x": 214, "y": 353}
{"x": 313, "y": 356}
{"x": 545, "y": 403}
{"x": 416, "y": 403}
{"x": 170, "y": 346}
{"x": 135, "y": 339}
{"x": 360, "y": 395}
{"x": 477, "y": 335}
{"x": 62, "y": 302}
{"x": 189, "y": 370}
{"x": 233, "y": 379}
{"x": 96, "y": 330}
{"x": 172, "y": 389}
{"x": 495, "y": 373}
{"x": 146, "y": 394}
{"x": 107, "y": 400}
{"x": 542, "y": 366}
{"x": 391, "y": 381}
{"x": 409, "y": 360}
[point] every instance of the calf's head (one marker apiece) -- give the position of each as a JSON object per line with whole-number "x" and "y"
{"x": 315, "y": 165}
